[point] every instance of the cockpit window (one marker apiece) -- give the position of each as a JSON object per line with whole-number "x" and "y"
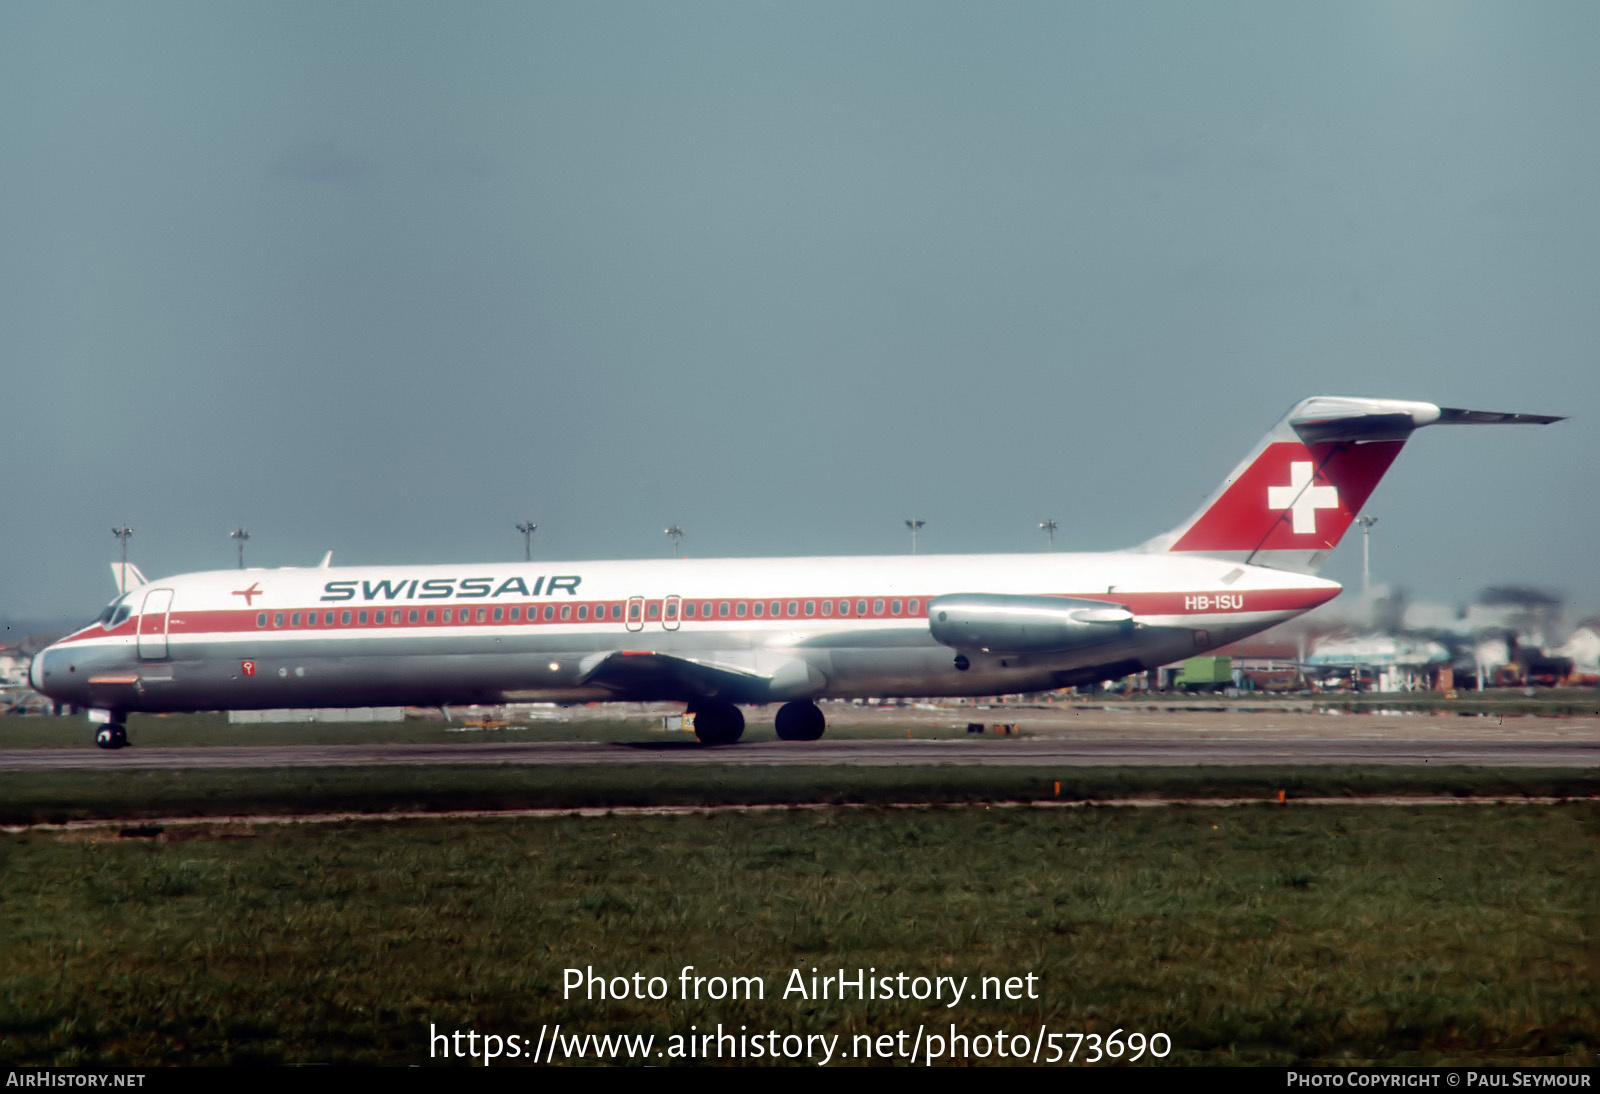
{"x": 116, "y": 613}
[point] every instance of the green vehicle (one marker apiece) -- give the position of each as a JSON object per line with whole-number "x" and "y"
{"x": 1205, "y": 674}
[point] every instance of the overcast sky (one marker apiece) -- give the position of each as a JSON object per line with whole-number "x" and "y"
{"x": 386, "y": 278}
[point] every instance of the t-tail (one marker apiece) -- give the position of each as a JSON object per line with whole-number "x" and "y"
{"x": 1290, "y": 501}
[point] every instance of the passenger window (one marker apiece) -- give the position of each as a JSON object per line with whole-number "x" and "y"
{"x": 311, "y": 619}
{"x": 633, "y": 609}
{"x": 722, "y": 609}
{"x": 672, "y": 609}
{"x": 827, "y": 607}
{"x": 361, "y": 617}
{"x": 916, "y": 607}
{"x": 655, "y": 610}
{"x": 516, "y": 614}
{"x": 583, "y": 611}
{"x": 277, "y": 619}
{"x": 861, "y": 607}
{"x": 261, "y": 619}
{"x": 328, "y": 619}
{"x": 688, "y": 611}
{"x": 776, "y": 609}
{"x": 739, "y": 609}
{"x": 294, "y": 620}
{"x": 430, "y": 615}
{"x": 344, "y": 617}
{"x": 894, "y": 607}
{"x": 413, "y": 615}
{"x": 448, "y": 615}
{"x": 378, "y": 618}
{"x": 811, "y": 607}
{"x": 760, "y": 608}
{"x": 566, "y": 612}
{"x": 549, "y": 612}
{"x": 794, "y": 608}
{"x": 480, "y": 615}
{"x": 877, "y": 607}
{"x": 498, "y": 614}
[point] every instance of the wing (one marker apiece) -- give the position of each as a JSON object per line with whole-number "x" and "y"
{"x": 649, "y": 675}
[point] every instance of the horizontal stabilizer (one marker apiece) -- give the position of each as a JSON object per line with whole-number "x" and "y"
{"x": 1451, "y": 415}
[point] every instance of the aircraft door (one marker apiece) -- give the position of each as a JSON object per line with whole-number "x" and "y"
{"x": 671, "y": 609}
{"x": 153, "y": 619}
{"x": 636, "y": 613}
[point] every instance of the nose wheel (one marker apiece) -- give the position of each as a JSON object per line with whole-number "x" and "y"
{"x": 111, "y": 735}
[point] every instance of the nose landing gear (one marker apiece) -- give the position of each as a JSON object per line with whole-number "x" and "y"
{"x": 111, "y": 735}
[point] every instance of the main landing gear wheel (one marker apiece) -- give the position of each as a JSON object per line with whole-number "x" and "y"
{"x": 111, "y": 735}
{"x": 718, "y": 723}
{"x": 801, "y": 720}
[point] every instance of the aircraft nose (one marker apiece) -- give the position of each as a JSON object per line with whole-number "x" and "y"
{"x": 36, "y": 669}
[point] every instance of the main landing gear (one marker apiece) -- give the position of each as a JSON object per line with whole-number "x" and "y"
{"x": 801, "y": 720}
{"x": 111, "y": 735}
{"x": 717, "y": 723}
{"x": 723, "y": 723}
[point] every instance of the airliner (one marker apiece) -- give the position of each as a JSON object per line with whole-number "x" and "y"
{"x": 716, "y": 634}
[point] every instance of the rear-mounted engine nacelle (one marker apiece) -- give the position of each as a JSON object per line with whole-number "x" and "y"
{"x": 997, "y": 623}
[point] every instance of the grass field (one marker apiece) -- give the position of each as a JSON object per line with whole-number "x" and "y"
{"x": 1248, "y": 935}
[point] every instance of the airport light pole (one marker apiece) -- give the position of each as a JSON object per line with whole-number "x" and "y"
{"x": 122, "y": 532}
{"x": 1048, "y": 527}
{"x": 241, "y": 535}
{"x": 1366, "y": 557}
{"x": 527, "y": 528}
{"x": 914, "y": 524}
{"x": 676, "y": 535}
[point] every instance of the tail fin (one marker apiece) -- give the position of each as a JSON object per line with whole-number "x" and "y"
{"x": 1290, "y": 501}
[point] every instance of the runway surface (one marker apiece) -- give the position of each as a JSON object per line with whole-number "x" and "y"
{"x": 1143, "y": 751}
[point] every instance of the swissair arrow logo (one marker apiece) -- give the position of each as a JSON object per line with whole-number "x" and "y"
{"x": 1302, "y": 498}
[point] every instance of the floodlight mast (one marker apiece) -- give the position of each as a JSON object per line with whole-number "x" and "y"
{"x": 914, "y": 524}
{"x": 676, "y": 534}
{"x": 527, "y": 528}
{"x": 241, "y": 535}
{"x": 1366, "y": 523}
{"x": 122, "y": 532}
{"x": 1048, "y": 527}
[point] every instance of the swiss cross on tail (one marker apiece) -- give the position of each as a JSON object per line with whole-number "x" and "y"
{"x": 1292, "y": 496}
{"x": 1292, "y": 499}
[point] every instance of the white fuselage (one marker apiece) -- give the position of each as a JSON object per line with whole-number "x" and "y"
{"x": 742, "y": 630}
